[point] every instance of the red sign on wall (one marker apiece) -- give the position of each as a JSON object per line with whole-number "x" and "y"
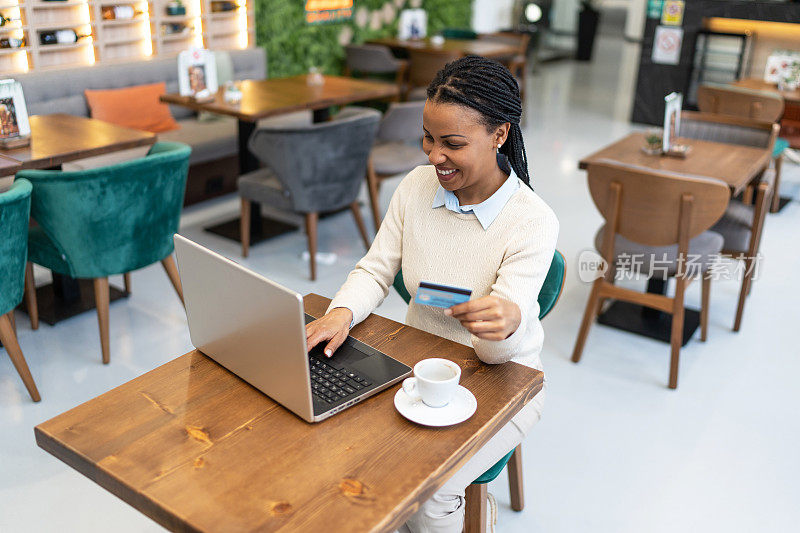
{"x": 319, "y": 11}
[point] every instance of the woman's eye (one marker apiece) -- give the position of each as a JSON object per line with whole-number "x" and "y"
{"x": 451, "y": 145}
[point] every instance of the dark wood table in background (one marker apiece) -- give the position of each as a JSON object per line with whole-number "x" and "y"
{"x": 735, "y": 165}
{"x": 790, "y": 97}
{"x": 465, "y": 47}
{"x": 58, "y": 139}
{"x": 279, "y": 96}
{"x": 195, "y": 448}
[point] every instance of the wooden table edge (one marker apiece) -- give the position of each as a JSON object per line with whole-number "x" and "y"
{"x": 173, "y": 521}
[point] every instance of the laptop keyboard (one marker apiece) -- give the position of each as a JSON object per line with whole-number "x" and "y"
{"x": 330, "y": 384}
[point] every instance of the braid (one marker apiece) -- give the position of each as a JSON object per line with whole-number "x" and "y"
{"x": 489, "y": 88}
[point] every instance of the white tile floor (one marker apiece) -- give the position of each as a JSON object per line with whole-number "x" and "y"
{"x": 616, "y": 451}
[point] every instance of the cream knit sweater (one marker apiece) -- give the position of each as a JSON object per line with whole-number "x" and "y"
{"x": 509, "y": 259}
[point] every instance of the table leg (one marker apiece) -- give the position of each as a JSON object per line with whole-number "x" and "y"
{"x": 321, "y": 115}
{"x": 67, "y": 297}
{"x": 647, "y": 321}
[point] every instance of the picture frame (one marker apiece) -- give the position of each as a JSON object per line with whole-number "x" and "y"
{"x": 197, "y": 74}
{"x": 15, "y": 129}
{"x": 413, "y": 24}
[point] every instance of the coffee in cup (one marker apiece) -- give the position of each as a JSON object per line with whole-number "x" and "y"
{"x": 435, "y": 381}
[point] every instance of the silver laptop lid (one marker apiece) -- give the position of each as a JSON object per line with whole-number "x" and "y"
{"x": 250, "y": 325}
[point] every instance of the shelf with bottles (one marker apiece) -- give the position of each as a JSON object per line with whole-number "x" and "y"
{"x": 8, "y": 29}
{"x": 125, "y": 22}
{"x": 43, "y": 49}
{"x": 226, "y": 15}
{"x": 66, "y": 26}
{"x": 57, "y": 5}
{"x": 7, "y": 51}
{"x": 174, "y": 37}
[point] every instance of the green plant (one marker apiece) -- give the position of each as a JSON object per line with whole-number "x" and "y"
{"x": 293, "y": 46}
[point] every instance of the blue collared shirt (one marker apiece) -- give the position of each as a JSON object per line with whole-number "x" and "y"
{"x": 487, "y": 210}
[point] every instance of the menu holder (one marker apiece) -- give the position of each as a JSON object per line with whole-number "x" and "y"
{"x": 15, "y": 130}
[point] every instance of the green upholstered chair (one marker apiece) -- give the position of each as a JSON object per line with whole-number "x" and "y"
{"x": 109, "y": 220}
{"x": 476, "y": 492}
{"x": 15, "y": 207}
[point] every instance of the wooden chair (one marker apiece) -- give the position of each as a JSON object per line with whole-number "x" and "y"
{"x": 743, "y": 222}
{"x": 655, "y": 213}
{"x": 422, "y": 68}
{"x": 763, "y": 106}
{"x": 17, "y": 274}
{"x": 518, "y": 63}
{"x": 109, "y": 220}
{"x": 397, "y": 149}
{"x": 476, "y": 493}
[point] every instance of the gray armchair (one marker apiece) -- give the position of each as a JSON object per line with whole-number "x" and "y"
{"x": 310, "y": 169}
{"x": 397, "y": 148}
{"x": 743, "y": 222}
{"x": 374, "y": 59}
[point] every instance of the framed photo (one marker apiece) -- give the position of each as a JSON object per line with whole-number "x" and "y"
{"x": 197, "y": 73}
{"x": 413, "y": 24}
{"x": 672, "y": 120}
{"x": 13, "y": 113}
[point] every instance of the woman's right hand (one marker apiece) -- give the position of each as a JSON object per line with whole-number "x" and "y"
{"x": 333, "y": 327}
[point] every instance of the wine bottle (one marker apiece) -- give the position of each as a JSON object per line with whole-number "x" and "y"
{"x": 119, "y": 12}
{"x": 5, "y": 20}
{"x": 12, "y": 42}
{"x": 59, "y": 37}
{"x": 218, "y": 6}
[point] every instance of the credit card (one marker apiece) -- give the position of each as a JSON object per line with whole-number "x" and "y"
{"x": 441, "y": 295}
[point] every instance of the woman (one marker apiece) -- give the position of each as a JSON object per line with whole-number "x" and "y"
{"x": 470, "y": 221}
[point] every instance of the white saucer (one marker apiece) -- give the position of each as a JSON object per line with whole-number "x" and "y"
{"x": 460, "y": 408}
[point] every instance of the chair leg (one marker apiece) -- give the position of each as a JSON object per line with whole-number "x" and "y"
{"x": 515, "y": 479}
{"x": 705, "y": 292}
{"x": 126, "y": 279}
{"x": 10, "y": 343}
{"x": 676, "y": 337}
{"x": 244, "y": 227}
{"x": 744, "y": 291}
{"x": 101, "y": 302}
{"x": 776, "y": 189}
{"x": 172, "y": 272}
{"x": 30, "y": 296}
{"x": 588, "y": 317}
{"x": 13, "y": 320}
{"x": 311, "y": 231}
{"x": 374, "y": 194}
{"x": 362, "y": 229}
{"x": 747, "y": 195}
{"x": 475, "y": 509}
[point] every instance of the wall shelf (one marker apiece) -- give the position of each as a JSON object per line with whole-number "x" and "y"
{"x": 116, "y": 41}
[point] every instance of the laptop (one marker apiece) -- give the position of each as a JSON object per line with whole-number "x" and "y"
{"x": 255, "y": 328}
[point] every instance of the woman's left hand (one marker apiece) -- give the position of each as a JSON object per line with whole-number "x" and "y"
{"x": 490, "y": 318}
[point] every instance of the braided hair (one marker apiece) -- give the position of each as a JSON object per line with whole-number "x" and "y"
{"x": 489, "y": 88}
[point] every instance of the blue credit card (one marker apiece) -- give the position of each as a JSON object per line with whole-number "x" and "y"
{"x": 441, "y": 295}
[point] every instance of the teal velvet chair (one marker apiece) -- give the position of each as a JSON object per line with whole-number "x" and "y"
{"x": 476, "y": 493}
{"x": 109, "y": 220}
{"x": 459, "y": 33}
{"x": 15, "y": 207}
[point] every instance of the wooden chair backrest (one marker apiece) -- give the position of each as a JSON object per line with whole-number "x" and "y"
{"x": 728, "y": 129}
{"x": 740, "y": 102}
{"x": 424, "y": 64}
{"x": 649, "y": 209}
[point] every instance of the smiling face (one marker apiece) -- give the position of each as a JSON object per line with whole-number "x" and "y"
{"x": 463, "y": 150}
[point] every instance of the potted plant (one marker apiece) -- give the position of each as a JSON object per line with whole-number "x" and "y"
{"x": 588, "y": 20}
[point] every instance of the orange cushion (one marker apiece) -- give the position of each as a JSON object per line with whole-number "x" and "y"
{"x": 134, "y": 107}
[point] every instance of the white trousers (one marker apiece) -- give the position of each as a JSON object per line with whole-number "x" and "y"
{"x": 444, "y": 512}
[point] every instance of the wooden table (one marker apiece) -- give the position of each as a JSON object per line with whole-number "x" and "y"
{"x": 735, "y": 165}
{"x": 279, "y": 96}
{"x": 466, "y": 47}
{"x": 57, "y": 139}
{"x": 790, "y": 97}
{"x": 196, "y": 449}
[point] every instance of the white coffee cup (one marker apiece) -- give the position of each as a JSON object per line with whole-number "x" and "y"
{"x": 435, "y": 381}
